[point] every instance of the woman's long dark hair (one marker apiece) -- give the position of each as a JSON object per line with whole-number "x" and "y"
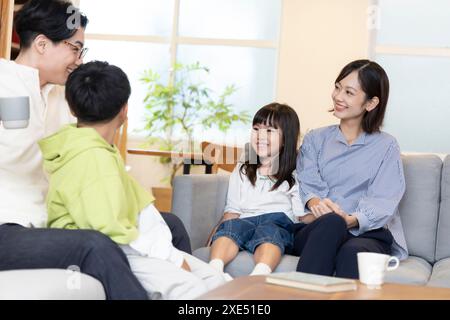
{"x": 279, "y": 116}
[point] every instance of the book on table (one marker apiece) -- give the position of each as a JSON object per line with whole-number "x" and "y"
{"x": 312, "y": 282}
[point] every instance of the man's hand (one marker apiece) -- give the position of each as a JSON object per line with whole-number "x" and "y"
{"x": 230, "y": 216}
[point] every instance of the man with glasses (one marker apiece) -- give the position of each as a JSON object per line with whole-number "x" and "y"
{"x": 77, "y": 48}
{"x": 52, "y": 46}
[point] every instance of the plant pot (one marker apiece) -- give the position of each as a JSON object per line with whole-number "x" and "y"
{"x": 163, "y": 199}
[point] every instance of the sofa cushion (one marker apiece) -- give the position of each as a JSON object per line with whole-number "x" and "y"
{"x": 243, "y": 264}
{"x": 420, "y": 205}
{"x": 443, "y": 233}
{"x": 413, "y": 270}
{"x": 49, "y": 284}
{"x": 440, "y": 276}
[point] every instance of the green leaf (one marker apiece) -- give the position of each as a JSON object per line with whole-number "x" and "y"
{"x": 181, "y": 106}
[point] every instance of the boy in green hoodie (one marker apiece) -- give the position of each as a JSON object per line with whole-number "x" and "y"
{"x": 90, "y": 189}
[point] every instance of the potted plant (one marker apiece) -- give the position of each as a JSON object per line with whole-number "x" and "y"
{"x": 175, "y": 110}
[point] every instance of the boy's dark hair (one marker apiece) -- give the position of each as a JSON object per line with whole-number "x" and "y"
{"x": 97, "y": 91}
{"x": 375, "y": 83}
{"x": 52, "y": 18}
{"x": 285, "y": 118}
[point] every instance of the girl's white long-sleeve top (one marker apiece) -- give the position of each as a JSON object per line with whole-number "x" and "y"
{"x": 249, "y": 201}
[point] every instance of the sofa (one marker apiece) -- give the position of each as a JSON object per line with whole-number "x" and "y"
{"x": 49, "y": 284}
{"x": 199, "y": 201}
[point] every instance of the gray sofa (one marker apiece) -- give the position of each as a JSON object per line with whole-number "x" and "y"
{"x": 425, "y": 211}
{"x": 199, "y": 200}
{"x": 49, "y": 284}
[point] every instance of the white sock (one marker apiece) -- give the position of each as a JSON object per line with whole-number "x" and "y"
{"x": 227, "y": 277}
{"x": 217, "y": 264}
{"x": 261, "y": 269}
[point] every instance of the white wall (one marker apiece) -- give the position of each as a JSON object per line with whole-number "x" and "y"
{"x": 318, "y": 37}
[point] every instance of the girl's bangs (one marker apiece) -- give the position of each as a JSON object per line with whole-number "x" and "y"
{"x": 266, "y": 117}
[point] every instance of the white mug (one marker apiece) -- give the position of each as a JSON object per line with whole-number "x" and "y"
{"x": 373, "y": 266}
{"x": 15, "y": 112}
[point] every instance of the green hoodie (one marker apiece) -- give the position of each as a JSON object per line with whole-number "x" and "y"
{"x": 89, "y": 187}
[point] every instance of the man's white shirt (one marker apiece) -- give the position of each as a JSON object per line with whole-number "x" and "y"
{"x": 23, "y": 184}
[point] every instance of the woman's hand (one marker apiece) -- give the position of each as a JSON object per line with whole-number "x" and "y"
{"x": 351, "y": 221}
{"x": 333, "y": 206}
{"x": 230, "y": 216}
{"x": 319, "y": 207}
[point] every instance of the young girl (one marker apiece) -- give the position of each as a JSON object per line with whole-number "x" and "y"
{"x": 351, "y": 179}
{"x": 263, "y": 199}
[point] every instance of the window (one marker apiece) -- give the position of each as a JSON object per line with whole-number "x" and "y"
{"x": 236, "y": 39}
{"x": 412, "y": 43}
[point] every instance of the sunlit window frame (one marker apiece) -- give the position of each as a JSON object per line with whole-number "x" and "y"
{"x": 174, "y": 40}
{"x": 375, "y": 49}
{"x": 402, "y": 50}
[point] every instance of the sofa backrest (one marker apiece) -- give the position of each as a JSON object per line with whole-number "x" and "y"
{"x": 419, "y": 208}
{"x": 443, "y": 233}
{"x": 199, "y": 200}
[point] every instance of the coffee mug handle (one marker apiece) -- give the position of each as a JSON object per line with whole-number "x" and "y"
{"x": 395, "y": 266}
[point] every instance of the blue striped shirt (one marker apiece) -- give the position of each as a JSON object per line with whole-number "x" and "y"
{"x": 365, "y": 178}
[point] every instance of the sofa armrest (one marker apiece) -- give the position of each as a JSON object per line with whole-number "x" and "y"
{"x": 199, "y": 200}
{"x": 49, "y": 284}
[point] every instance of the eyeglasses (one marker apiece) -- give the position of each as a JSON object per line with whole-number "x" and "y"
{"x": 82, "y": 51}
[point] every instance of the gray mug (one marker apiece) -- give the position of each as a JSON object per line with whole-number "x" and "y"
{"x": 15, "y": 112}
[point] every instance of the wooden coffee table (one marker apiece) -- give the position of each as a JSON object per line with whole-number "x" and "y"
{"x": 255, "y": 288}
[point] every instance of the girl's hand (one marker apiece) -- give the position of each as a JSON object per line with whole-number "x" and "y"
{"x": 308, "y": 218}
{"x": 230, "y": 216}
